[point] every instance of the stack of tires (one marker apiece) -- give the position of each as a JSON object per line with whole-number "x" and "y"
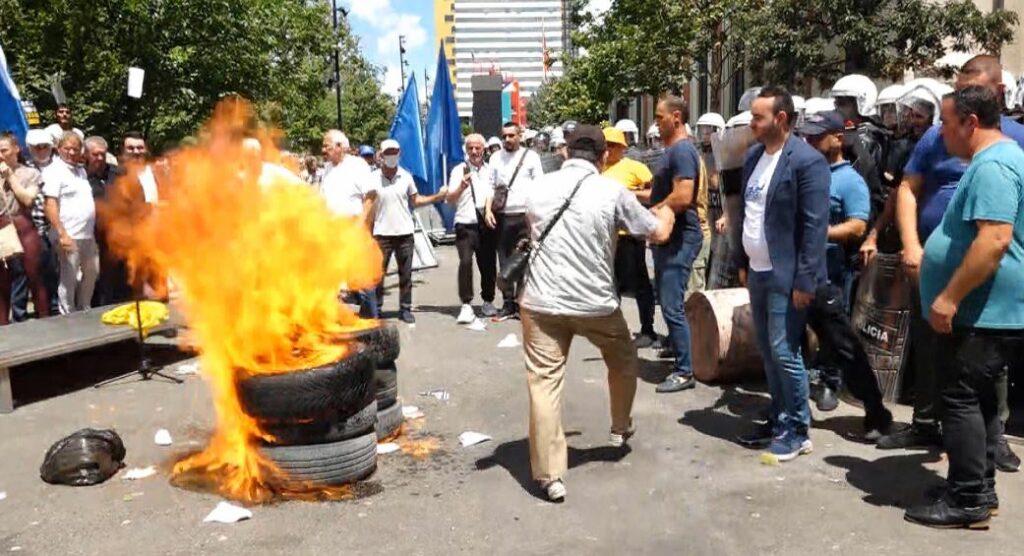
{"x": 325, "y": 420}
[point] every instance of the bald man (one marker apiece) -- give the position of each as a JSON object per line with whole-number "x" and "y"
{"x": 930, "y": 179}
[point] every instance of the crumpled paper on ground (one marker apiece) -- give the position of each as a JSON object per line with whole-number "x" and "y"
{"x": 136, "y": 473}
{"x": 510, "y": 341}
{"x": 387, "y": 448}
{"x": 411, "y": 412}
{"x": 440, "y": 394}
{"x": 470, "y": 438}
{"x": 477, "y": 326}
{"x": 162, "y": 438}
{"x": 227, "y": 513}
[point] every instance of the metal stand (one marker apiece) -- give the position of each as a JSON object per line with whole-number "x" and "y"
{"x": 147, "y": 369}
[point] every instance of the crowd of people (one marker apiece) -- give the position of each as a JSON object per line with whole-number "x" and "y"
{"x": 49, "y": 197}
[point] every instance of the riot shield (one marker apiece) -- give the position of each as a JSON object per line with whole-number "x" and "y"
{"x": 881, "y": 316}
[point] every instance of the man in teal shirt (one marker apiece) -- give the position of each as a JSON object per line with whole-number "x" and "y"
{"x": 971, "y": 295}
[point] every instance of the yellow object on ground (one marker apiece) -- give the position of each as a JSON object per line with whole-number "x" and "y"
{"x": 152, "y": 312}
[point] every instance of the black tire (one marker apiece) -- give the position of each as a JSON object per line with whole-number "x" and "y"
{"x": 329, "y": 428}
{"x": 310, "y": 393}
{"x": 336, "y": 463}
{"x": 386, "y": 381}
{"x": 381, "y": 340}
{"x": 389, "y": 421}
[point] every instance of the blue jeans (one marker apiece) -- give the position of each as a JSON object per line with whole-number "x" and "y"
{"x": 779, "y": 327}
{"x": 368, "y": 307}
{"x": 673, "y": 263}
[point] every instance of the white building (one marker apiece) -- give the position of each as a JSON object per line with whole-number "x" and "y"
{"x": 508, "y": 37}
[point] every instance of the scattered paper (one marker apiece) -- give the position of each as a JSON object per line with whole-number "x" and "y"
{"x": 163, "y": 438}
{"x": 411, "y": 412}
{"x": 15, "y": 549}
{"x": 138, "y": 473}
{"x": 3, "y": 495}
{"x": 387, "y": 448}
{"x": 126, "y": 522}
{"x": 440, "y": 394}
{"x": 187, "y": 369}
{"x": 227, "y": 513}
{"x": 470, "y": 438}
{"x": 510, "y": 341}
{"x": 477, "y": 326}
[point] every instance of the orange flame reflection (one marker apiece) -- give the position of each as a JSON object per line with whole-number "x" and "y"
{"x": 258, "y": 260}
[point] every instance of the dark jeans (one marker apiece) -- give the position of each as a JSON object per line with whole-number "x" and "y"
{"x": 476, "y": 240}
{"x": 632, "y": 276}
{"x": 972, "y": 362}
{"x": 924, "y": 344}
{"x": 512, "y": 228}
{"x": 841, "y": 352}
{"x": 402, "y": 247}
{"x": 673, "y": 263}
{"x": 20, "y": 284}
{"x": 368, "y": 304}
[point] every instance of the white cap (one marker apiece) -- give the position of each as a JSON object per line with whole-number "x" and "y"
{"x": 389, "y": 144}
{"x": 38, "y": 137}
{"x": 626, "y": 126}
{"x": 493, "y": 142}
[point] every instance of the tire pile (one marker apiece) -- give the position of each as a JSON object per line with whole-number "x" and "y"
{"x": 326, "y": 420}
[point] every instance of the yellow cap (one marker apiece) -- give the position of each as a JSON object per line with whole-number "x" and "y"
{"x": 612, "y": 135}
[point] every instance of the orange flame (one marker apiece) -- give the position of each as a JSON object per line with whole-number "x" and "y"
{"x": 258, "y": 260}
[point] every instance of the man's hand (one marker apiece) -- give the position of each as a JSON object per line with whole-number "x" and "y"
{"x": 941, "y": 316}
{"x": 467, "y": 180}
{"x": 743, "y": 277}
{"x": 489, "y": 219}
{"x": 442, "y": 193}
{"x": 67, "y": 244}
{"x": 869, "y": 249}
{"x": 721, "y": 224}
{"x": 912, "y": 255}
{"x": 801, "y": 300}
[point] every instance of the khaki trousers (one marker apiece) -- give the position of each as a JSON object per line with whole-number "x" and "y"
{"x": 546, "y": 340}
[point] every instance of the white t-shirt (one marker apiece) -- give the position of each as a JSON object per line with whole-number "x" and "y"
{"x": 346, "y": 185}
{"x": 755, "y": 196}
{"x": 394, "y": 214}
{"x": 148, "y": 182}
{"x": 503, "y": 165}
{"x": 465, "y": 211}
{"x": 70, "y": 186}
{"x": 57, "y": 132}
{"x": 572, "y": 272}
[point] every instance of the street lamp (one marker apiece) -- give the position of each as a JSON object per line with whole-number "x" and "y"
{"x": 337, "y": 56}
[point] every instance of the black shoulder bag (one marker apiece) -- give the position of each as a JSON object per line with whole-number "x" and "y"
{"x": 517, "y": 263}
{"x": 500, "y": 197}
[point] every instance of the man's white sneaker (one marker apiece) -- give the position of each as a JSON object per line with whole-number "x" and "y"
{"x": 466, "y": 315}
{"x": 618, "y": 440}
{"x": 555, "y": 490}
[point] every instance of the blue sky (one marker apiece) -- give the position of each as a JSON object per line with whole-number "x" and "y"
{"x": 379, "y": 23}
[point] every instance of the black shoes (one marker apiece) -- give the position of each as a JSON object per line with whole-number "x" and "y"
{"x": 943, "y": 514}
{"x": 645, "y": 340}
{"x": 509, "y": 311}
{"x": 406, "y": 316}
{"x": 910, "y": 437}
{"x": 1006, "y": 460}
{"x": 877, "y": 424}
{"x": 759, "y": 438}
{"x": 676, "y": 383}
{"x": 826, "y": 400}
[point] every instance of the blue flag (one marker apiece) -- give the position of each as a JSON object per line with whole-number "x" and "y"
{"x": 408, "y": 131}
{"x": 444, "y": 135}
{"x": 12, "y": 117}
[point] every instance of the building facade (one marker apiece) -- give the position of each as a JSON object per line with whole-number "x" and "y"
{"x": 520, "y": 40}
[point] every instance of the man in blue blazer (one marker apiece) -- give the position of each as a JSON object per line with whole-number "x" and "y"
{"x": 782, "y": 262}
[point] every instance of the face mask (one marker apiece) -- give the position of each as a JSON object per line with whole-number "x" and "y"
{"x": 391, "y": 160}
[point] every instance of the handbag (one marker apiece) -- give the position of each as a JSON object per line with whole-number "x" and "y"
{"x": 500, "y": 197}
{"x": 514, "y": 269}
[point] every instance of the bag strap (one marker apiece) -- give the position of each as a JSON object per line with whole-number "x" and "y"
{"x": 562, "y": 210}
{"x": 515, "y": 172}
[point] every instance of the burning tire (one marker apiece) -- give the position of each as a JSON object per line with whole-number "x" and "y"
{"x": 310, "y": 393}
{"x": 385, "y": 379}
{"x": 381, "y": 341}
{"x": 389, "y": 421}
{"x": 334, "y": 427}
{"x": 331, "y": 464}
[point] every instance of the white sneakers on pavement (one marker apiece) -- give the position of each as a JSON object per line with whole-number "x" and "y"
{"x": 618, "y": 440}
{"x": 466, "y": 315}
{"x": 555, "y": 490}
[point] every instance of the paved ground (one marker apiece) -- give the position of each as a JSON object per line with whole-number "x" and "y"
{"x": 685, "y": 488}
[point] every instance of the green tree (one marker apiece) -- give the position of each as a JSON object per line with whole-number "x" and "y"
{"x": 194, "y": 52}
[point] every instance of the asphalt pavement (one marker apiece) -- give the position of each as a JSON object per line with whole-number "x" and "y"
{"x": 683, "y": 487}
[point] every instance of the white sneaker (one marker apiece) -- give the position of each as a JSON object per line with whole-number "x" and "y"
{"x": 466, "y": 315}
{"x": 618, "y": 440}
{"x": 555, "y": 490}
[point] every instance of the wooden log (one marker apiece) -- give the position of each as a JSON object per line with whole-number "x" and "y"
{"x": 722, "y": 340}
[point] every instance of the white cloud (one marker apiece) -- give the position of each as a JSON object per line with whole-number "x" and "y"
{"x": 383, "y": 17}
{"x": 392, "y": 83}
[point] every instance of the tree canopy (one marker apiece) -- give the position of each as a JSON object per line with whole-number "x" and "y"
{"x": 194, "y": 52}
